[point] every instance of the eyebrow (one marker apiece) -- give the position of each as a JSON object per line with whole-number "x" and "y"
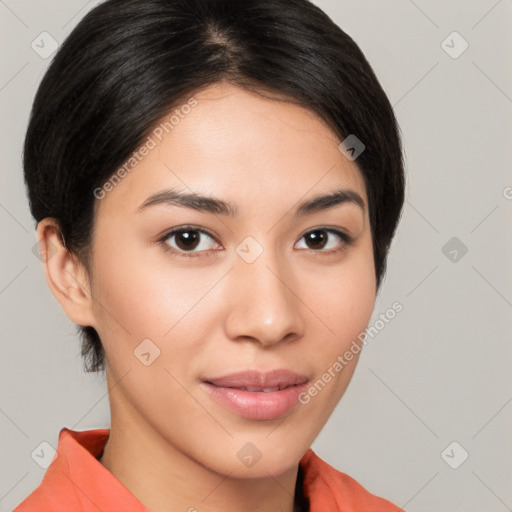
{"x": 220, "y": 207}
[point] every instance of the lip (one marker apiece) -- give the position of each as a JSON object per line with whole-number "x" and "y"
{"x": 270, "y": 395}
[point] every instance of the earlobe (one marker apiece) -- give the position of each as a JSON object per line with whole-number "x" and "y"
{"x": 66, "y": 276}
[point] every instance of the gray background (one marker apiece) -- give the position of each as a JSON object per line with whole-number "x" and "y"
{"x": 439, "y": 372}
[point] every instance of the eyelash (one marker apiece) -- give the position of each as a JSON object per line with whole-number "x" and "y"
{"x": 346, "y": 238}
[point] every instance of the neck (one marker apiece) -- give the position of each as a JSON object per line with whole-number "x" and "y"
{"x": 165, "y": 478}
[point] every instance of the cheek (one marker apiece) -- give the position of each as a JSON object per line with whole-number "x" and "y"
{"x": 145, "y": 318}
{"x": 123, "y": 289}
{"x": 140, "y": 294}
{"x": 344, "y": 298}
{"x": 344, "y": 303}
{"x": 132, "y": 293}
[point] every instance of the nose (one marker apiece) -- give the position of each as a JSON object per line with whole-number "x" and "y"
{"x": 264, "y": 302}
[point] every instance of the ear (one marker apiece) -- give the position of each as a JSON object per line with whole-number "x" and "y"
{"x": 66, "y": 276}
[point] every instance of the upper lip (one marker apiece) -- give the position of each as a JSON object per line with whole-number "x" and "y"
{"x": 280, "y": 378}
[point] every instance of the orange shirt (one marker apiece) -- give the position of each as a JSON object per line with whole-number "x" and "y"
{"x": 76, "y": 481}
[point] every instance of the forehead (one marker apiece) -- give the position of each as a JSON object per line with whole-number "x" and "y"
{"x": 237, "y": 145}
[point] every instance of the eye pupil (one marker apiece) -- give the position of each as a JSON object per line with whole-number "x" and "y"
{"x": 188, "y": 239}
{"x": 317, "y": 237}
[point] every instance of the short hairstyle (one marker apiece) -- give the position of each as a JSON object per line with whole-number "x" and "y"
{"x": 129, "y": 62}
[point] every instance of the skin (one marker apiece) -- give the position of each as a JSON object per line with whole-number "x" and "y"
{"x": 297, "y": 306}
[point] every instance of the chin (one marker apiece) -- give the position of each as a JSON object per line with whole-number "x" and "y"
{"x": 258, "y": 458}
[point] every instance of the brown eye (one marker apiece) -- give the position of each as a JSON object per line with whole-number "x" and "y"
{"x": 188, "y": 240}
{"x": 326, "y": 240}
{"x": 316, "y": 239}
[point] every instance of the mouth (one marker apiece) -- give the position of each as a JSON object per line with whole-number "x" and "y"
{"x": 257, "y": 395}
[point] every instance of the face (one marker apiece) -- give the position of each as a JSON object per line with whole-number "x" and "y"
{"x": 188, "y": 294}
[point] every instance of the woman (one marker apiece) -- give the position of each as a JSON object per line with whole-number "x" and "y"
{"x": 216, "y": 185}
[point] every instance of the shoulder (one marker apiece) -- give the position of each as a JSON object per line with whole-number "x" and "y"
{"x": 72, "y": 472}
{"x": 40, "y": 500}
{"x": 329, "y": 489}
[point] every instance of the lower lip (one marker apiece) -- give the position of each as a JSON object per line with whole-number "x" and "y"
{"x": 257, "y": 405}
